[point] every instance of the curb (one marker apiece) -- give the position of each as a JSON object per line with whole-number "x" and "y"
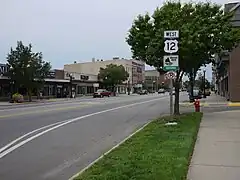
{"x": 212, "y": 104}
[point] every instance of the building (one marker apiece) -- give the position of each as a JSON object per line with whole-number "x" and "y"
{"x": 82, "y": 84}
{"x": 54, "y": 86}
{"x": 226, "y": 69}
{"x": 153, "y": 80}
{"x": 135, "y": 69}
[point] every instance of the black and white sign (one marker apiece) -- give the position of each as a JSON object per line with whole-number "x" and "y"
{"x": 171, "y": 34}
{"x": 171, "y": 46}
{"x": 170, "y": 75}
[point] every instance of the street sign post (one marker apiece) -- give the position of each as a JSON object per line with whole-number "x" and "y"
{"x": 171, "y": 59}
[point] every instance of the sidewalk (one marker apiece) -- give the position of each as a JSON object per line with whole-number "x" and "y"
{"x": 217, "y": 150}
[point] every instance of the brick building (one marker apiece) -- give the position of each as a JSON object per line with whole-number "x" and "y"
{"x": 226, "y": 71}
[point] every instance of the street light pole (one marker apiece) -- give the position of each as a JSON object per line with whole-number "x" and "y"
{"x": 153, "y": 86}
{"x": 204, "y": 93}
{"x": 128, "y": 89}
{"x": 70, "y": 85}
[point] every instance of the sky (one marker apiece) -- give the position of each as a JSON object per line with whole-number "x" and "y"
{"x": 72, "y": 30}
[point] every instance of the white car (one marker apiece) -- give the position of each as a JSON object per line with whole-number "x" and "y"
{"x": 173, "y": 92}
{"x": 160, "y": 91}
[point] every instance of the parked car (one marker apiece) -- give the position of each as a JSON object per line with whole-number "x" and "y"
{"x": 160, "y": 91}
{"x": 101, "y": 93}
{"x": 142, "y": 92}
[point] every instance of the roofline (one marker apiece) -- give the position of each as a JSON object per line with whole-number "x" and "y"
{"x": 234, "y": 7}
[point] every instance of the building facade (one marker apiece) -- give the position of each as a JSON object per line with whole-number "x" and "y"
{"x": 54, "y": 85}
{"x": 134, "y": 68}
{"x": 226, "y": 69}
{"x": 154, "y": 81}
{"x": 82, "y": 84}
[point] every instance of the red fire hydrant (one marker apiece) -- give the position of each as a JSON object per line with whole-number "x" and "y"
{"x": 197, "y": 105}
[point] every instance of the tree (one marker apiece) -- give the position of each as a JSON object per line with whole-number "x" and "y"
{"x": 204, "y": 30}
{"x": 26, "y": 68}
{"x": 113, "y": 75}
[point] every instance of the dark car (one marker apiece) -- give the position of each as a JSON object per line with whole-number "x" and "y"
{"x": 101, "y": 93}
{"x": 142, "y": 92}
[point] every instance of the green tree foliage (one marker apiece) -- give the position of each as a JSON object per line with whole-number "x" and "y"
{"x": 26, "y": 68}
{"x": 113, "y": 75}
{"x": 204, "y": 30}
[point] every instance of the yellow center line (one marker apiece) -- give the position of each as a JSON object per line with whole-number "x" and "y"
{"x": 43, "y": 111}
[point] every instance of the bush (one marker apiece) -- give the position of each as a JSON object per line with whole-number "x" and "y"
{"x": 17, "y": 98}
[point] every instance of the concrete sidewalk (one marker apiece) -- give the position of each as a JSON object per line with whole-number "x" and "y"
{"x": 217, "y": 150}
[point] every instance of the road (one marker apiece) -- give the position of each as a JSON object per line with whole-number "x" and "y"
{"x": 54, "y": 141}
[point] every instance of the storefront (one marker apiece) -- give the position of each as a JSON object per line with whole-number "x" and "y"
{"x": 58, "y": 88}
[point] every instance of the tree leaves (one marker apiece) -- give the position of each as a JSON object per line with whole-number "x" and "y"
{"x": 26, "y": 66}
{"x": 204, "y": 31}
{"x": 113, "y": 74}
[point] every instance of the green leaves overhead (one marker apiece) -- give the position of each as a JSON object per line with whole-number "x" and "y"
{"x": 204, "y": 30}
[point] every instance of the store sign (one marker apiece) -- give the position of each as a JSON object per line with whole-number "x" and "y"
{"x": 83, "y": 77}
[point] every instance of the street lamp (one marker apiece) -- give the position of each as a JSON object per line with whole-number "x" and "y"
{"x": 128, "y": 88}
{"x": 71, "y": 79}
{"x": 204, "y": 79}
{"x": 153, "y": 85}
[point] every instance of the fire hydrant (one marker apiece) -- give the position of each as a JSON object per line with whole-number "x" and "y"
{"x": 197, "y": 105}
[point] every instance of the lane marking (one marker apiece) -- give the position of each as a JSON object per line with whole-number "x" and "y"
{"x": 25, "y": 135}
{"x": 4, "y": 153}
{"x": 42, "y": 111}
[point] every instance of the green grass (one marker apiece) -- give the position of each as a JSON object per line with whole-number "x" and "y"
{"x": 158, "y": 152}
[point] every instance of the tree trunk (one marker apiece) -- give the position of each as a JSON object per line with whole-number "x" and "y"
{"x": 176, "y": 103}
{"x": 177, "y": 87}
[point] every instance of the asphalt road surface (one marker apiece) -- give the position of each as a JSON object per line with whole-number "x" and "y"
{"x": 54, "y": 141}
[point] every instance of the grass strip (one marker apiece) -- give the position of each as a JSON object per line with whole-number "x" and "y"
{"x": 158, "y": 152}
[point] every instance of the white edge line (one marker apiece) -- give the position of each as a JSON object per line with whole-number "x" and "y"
{"x": 68, "y": 122}
{"x": 116, "y": 146}
{"x": 25, "y": 135}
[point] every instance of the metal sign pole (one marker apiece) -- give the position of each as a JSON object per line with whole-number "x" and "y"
{"x": 171, "y": 96}
{"x": 170, "y": 60}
